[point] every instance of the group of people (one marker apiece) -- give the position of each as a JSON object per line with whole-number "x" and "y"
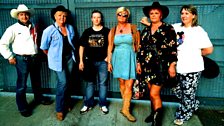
{"x": 161, "y": 51}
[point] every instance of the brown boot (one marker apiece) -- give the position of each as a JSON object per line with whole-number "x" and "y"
{"x": 122, "y": 96}
{"x": 122, "y": 93}
{"x": 126, "y": 106}
{"x": 59, "y": 116}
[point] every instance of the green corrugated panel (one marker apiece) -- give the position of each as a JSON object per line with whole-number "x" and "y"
{"x": 30, "y": 1}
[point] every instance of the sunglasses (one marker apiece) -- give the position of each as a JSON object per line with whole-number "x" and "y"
{"x": 123, "y": 15}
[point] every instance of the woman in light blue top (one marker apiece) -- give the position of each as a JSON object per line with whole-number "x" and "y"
{"x": 123, "y": 43}
{"x": 57, "y": 44}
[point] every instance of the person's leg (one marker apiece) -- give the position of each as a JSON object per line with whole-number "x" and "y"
{"x": 188, "y": 103}
{"x": 127, "y": 101}
{"x": 69, "y": 70}
{"x": 177, "y": 90}
{"x": 34, "y": 68}
{"x": 89, "y": 98}
{"x": 60, "y": 93}
{"x": 150, "y": 117}
{"x": 90, "y": 78}
{"x": 155, "y": 96}
{"x": 102, "y": 82}
{"x": 22, "y": 74}
{"x": 122, "y": 87}
{"x": 157, "y": 105}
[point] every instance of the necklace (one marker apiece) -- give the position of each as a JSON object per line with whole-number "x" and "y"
{"x": 122, "y": 29}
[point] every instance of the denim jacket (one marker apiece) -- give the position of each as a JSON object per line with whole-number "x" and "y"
{"x": 52, "y": 41}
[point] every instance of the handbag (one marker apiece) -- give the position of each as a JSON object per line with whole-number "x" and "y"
{"x": 211, "y": 68}
{"x": 138, "y": 89}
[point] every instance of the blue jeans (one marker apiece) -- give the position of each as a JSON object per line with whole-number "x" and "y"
{"x": 63, "y": 77}
{"x": 101, "y": 74}
{"x": 26, "y": 65}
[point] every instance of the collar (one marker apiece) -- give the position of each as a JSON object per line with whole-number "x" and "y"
{"x": 56, "y": 25}
{"x": 29, "y": 24}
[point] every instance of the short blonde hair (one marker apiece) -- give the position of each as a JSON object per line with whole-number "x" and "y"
{"x": 121, "y": 9}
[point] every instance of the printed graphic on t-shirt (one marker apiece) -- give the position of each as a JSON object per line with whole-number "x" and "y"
{"x": 96, "y": 40}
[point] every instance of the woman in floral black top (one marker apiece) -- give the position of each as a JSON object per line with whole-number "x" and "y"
{"x": 157, "y": 57}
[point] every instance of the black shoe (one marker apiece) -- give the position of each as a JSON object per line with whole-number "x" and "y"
{"x": 149, "y": 118}
{"x": 26, "y": 113}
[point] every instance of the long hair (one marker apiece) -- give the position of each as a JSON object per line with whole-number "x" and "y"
{"x": 192, "y": 10}
{"x": 101, "y": 15}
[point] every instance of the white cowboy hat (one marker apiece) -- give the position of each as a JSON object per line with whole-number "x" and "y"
{"x": 21, "y": 8}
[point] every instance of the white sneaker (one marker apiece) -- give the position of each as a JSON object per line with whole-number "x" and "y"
{"x": 104, "y": 110}
{"x": 178, "y": 122}
{"x": 85, "y": 109}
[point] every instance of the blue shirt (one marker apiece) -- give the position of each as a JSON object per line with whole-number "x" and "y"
{"x": 52, "y": 41}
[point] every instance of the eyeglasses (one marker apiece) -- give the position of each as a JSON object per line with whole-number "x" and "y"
{"x": 123, "y": 15}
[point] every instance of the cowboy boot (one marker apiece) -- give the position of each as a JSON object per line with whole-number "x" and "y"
{"x": 122, "y": 96}
{"x": 150, "y": 117}
{"x": 122, "y": 92}
{"x": 157, "y": 119}
{"x": 126, "y": 108}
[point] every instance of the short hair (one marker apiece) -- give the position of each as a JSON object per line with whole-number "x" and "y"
{"x": 192, "y": 10}
{"x": 121, "y": 9}
{"x": 101, "y": 15}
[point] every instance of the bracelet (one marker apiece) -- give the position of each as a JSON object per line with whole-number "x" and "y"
{"x": 109, "y": 62}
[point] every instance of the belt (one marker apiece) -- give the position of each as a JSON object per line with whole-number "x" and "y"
{"x": 27, "y": 56}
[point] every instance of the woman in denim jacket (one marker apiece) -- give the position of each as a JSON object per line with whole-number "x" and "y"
{"x": 57, "y": 44}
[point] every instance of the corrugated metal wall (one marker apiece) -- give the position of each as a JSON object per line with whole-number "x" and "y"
{"x": 211, "y": 17}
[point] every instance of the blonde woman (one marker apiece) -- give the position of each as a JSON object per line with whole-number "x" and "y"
{"x": 122, "y": 47}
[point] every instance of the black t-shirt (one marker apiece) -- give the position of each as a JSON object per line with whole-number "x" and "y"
{"x": 95, "y": 43}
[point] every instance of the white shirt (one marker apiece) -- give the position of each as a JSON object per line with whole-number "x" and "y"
{"x": 189, "y": 52}
{"x": 22, "y": 41}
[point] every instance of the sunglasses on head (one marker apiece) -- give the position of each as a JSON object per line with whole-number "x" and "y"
{"x": 123, "y": 15}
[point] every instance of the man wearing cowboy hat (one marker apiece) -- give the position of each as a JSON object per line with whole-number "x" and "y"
{"x": 22, "y": 36}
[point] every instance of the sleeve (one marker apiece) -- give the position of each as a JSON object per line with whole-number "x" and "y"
{"x": 172, "y": 44}
{"x": 84, "y": 39}
{"x": 45, "y": 39}
{"x": 140, "y": 52}
{"x": 7, "y": 38}
{"x": 205, "y": 41}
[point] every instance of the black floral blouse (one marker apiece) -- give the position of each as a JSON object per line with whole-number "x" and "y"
{"x": 156, "y": 53}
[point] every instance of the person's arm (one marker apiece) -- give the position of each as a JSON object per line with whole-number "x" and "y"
{"x": 109, "y": 52}
{"x": 7, "y": 38}
{"x": 206, "y": 51}
{"x": 145, "y": 21}
{"x": 173, "y": 52}
{"x": 138, "y": 67}
{"x": 45, "y": 41}
{"x": 138, "y": 40}
{"x": 172, "y": 69}
{"x": 45, "y": 52}
{"x": 81, "y": 64}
